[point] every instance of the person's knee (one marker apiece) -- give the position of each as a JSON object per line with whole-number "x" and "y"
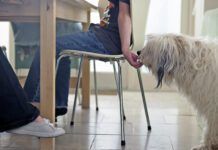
{"x": 65, "y": 60}
{"x": 64, "y": 63}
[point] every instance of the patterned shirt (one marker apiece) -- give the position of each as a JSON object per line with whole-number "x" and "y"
{"x": 107, "y": 31}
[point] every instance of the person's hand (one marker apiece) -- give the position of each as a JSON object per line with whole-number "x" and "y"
{"x": 132, "y": 58}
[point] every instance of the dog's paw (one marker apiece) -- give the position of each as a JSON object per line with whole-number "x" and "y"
{"x": 201, "y": 147}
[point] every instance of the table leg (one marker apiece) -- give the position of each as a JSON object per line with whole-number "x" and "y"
{"x": 47, "y": 66}
{"x": 86, "y": 84}
{"x": 86, "y": 72}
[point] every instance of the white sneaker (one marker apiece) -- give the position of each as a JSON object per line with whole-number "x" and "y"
{"x": 42, "y": 129}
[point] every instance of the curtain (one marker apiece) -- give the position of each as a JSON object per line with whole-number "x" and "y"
{"x": 164, "y": 16}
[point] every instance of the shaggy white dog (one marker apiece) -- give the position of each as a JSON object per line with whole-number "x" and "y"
{"x": 193, "y": 65}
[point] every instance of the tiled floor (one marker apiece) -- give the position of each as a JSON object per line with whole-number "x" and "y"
{"x": 174, "y": 126}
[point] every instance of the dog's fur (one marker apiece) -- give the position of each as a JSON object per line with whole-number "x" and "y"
{"x": 192, "y": 64}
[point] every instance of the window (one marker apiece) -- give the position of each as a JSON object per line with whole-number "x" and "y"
{"x": 164, "y": 17}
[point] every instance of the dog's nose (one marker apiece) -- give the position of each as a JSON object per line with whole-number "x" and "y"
{"x": 138, "y": 52}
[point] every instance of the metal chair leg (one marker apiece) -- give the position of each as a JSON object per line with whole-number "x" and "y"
{"x": 58, "y": 62}
{"x": 123, "y": 142}
{"x": 121, "y": 94}
{"x": 116, "y": 80}
{"x": 76, "y": 91}
{"x": 96, "y": 90}
{"x": 143, "y": 99}
{"x": 79, "y": 96}
{"x": 79, "y": 90}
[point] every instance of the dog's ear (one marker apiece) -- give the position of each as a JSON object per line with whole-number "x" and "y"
{"x": 161, "y": 70}
{"x": 160, "y": 74}
{"x": 165, "y": 65}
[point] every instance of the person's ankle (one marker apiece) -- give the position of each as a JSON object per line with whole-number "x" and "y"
{"x": 60, "y": 111}
{"x": 39, "y": 119}
{"x": 36, "y": 104}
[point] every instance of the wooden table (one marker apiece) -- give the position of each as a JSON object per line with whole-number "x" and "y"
{"x": 46, "y": 11}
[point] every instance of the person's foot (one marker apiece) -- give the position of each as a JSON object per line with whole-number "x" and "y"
{"x": 60, "y": 111}
{"x": 39, "y": 129}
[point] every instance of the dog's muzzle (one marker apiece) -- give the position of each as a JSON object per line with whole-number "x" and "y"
{"x": 138, "y": 53}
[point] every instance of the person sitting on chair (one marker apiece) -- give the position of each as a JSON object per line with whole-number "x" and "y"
{"x": 112, "y": 36}
{"x": 16, "y": 114}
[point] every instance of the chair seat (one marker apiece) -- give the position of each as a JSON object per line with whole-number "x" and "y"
{"x": 91, "y": 55}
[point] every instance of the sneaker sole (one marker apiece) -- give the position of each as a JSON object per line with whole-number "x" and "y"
{"x": 37, "y": 134}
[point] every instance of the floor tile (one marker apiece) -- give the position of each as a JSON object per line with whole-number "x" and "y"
{"x": 175, "y": 125}
{"x": 132, "y": 142}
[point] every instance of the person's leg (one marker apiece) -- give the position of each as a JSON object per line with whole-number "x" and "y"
{"x": 32, "y": 87}
{"x": 14, "y": 110}
{"x": 32, "y": 79}
{"x": 16, "y": 115}
{"x": 84, "y": 41}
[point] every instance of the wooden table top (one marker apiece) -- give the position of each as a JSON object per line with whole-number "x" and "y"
{"x": 29, "y": 10}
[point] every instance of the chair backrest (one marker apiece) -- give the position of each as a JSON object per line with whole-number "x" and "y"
{"x": 139, "y": 14}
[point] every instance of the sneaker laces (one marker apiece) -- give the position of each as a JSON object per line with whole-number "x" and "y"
{"x": 47, "y": 121}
